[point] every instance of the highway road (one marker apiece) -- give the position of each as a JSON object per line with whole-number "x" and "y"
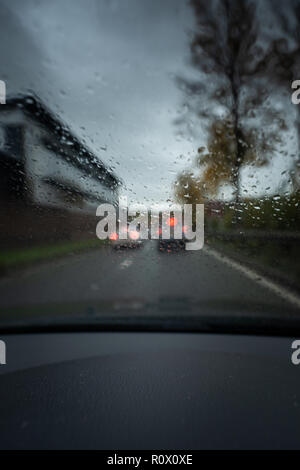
{"x": 132, "y": 277}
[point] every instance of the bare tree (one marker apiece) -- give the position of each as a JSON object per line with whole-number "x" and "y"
{"x": 230, "y": 60}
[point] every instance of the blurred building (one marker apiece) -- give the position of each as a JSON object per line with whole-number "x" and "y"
{"x": 50, "y": 182}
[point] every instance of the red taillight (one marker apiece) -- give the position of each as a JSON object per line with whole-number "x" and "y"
{"x": 134, "y": 235}
{"x": 185, "y": 229}
{"x": 172, "y": 221}
{"x": 114, "y": 236}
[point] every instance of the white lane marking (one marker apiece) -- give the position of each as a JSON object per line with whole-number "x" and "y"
{"x": 256, "y": 277}
{"x": 126, "y": 263}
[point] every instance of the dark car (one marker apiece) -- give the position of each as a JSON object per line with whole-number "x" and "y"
{"x": 171, "y": 244}
{"x": 132, "y": 241}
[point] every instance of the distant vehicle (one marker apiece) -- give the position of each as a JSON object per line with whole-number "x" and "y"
{"x": 172, "y": 244}
{"x": 133, "y": 240}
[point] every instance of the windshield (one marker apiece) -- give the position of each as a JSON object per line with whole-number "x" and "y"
{"x": 149, "y": 160}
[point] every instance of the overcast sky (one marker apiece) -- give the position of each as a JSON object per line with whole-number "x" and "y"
{"x": 107, "y": 69}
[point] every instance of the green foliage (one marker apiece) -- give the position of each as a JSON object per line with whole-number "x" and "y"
{"x": 221, "y": 163}
{"x": 20, "y": 257}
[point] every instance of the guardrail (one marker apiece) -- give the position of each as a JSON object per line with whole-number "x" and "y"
{"x": 254, "y": 234}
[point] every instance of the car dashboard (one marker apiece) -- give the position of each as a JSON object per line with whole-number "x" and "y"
{"x": 148, "y": 390}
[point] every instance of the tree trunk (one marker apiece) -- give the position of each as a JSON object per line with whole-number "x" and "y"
{"x": 234, "y": 79}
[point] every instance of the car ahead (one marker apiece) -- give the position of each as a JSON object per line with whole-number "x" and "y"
{"x": 132, "y": 241}
{"x": 170, "y": 245}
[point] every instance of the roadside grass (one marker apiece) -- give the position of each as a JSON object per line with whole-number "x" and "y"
{"x": 21, "y": 257}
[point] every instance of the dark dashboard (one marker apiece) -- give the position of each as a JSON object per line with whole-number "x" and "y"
{"x": 109, "y": 390}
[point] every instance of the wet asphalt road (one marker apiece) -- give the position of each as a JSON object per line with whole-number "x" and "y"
{"x": 143, "y": 274}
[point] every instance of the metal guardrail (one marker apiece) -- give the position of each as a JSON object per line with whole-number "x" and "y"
{"x": 255, "y": 234}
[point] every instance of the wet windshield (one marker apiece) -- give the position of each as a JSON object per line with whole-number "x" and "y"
{"x": 149, "y": 159}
